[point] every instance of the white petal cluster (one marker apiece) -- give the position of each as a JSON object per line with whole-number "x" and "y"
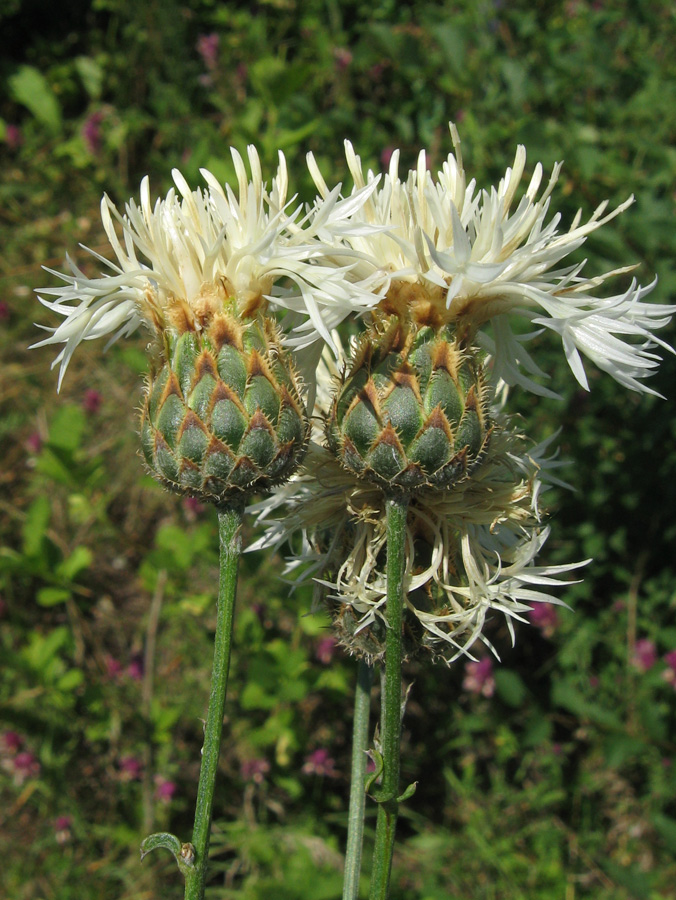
{"x": 177, "y": 253}
{"x": 480, "y": 257}
{"x": 484, "y": 258}
{"x": 469, "y": 552}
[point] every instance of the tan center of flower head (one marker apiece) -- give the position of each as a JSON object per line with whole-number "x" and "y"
{"x": 424, "y": 304}
{"x": 214, "y": 298}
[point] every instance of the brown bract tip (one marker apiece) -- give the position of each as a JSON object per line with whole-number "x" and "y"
{"x": 368, "y": 395}
{"x": 224, "y": 330}
{"x": 251, "y": 303}
{"x": 389, "y": 437}
{"x": 445, "y": 356}
{"x": 191, "y": 420}
{"x": 471, "y": 401}
{"x": 180, "y": 315}
{"x": 257, "y": 365}
{"x": 259, "y": 422}
{"x": 223, "y": 392}
{"x": 216, "y": 446}
{"x": 171, "y": 387}
{"x": 437, "y": 419}
{"x": 205, "y": 365}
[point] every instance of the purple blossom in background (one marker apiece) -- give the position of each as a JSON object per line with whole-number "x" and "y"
{"x": 136, "y": 669}
{"x": 207, "y": 47}
{"x": 62, "y": 829}
{"x": 13, "y": 137}
{"x": 91, "y": 132}
{"x": 164, "y": 789}
{"x": 25, "y": 765}
{"x": 5, "y": 311}
{"x": 545, "y": 617}
{"x": 320, "y": 763}
{"x": 91, "y": 402}
{"x": 386, "y": 156}
{"x": 669, "y": 674}
{"x": 34, "y": 443}
{"x": 192, "y": 508}
{"x": 130, "y": 768}
{"x": 113, "y": 668}
{"x": 10, "y": 743}
{"x": 255, "y": 770}
{"x": 645, "y": 655}
{"x": 3, "y": 608}
{"x": 343, "y": 58}
{"x": 325, "y": 649}
{"x": 479, "y": 677}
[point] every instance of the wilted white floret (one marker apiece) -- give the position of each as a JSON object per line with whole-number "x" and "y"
{"x": 469, "y": 552}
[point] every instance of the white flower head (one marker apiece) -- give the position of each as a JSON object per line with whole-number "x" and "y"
{"x": 470, "y": 552}
{"x": 178, "y": 259}
{"x": 477, "y": 258}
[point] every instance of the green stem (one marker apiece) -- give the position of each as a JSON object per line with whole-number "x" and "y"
{"x": 388, "y": 804}
{"x": 360, "y": 737}
{"x": 229, "y": 521}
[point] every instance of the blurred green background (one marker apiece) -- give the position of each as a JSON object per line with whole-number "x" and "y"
{"x": 551, "y": 777}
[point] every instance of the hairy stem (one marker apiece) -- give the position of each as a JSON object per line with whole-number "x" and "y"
{"x": 229, "y": 521}
{"x": 360, "y": 737}
{"x": 388, "y": 803}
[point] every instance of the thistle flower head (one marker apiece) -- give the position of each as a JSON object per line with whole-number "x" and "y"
{"x": 194, "y": 254}
{"x": 470, "y": 258}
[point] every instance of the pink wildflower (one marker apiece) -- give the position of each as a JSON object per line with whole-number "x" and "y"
{"x": 479, "y": 677}
{"x": 645, "y": 655}
{"x": 320, "y": 763}
{"x": 62, "y": 829}
{"x": 207, "y": 47}
{"x": 91, "y": 132}
{"x": 325, "y": 649}
{"x": 192, "y": 508}
{"x": 10, "y": 742}
{"x": 669, "y": 674}
{"x": 25, "y": 766}
{"x": 164, "y": 789}
{"x": 130, "y": 768}
{"x": 386, "y": 156}
{"x": 343, "y": 58}
{"x": 113, "y": 668}
{"x": 135, "y": 669}
{"x": 91, "y": 402}
{"x": 34, "y": 442}
{"x": 13, "y": 137}
{"x": 545, "y": 617}
{"x": 255, "y": 770}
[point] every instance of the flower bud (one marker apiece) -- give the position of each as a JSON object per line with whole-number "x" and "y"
{"x": 223, "y": 413}
{"x": 412, "y": 409}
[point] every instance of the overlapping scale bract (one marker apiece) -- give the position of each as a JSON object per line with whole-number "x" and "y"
{"x": 224, "y": 412}
{"x": 412, "y": 410}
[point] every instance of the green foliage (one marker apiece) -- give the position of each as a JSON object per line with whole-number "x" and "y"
{"x": 563, "y": 781}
